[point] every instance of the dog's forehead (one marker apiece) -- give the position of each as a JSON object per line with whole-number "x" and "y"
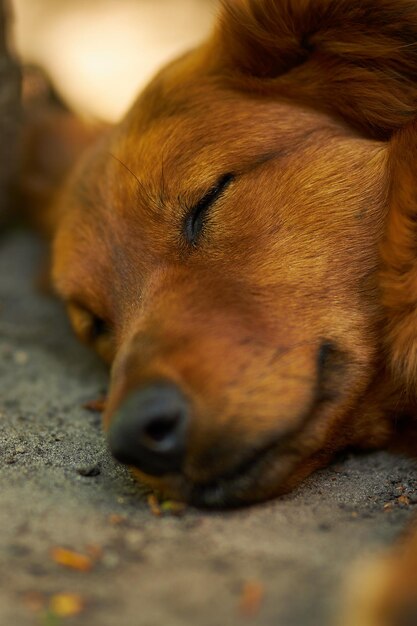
{"x": 197, "y": 133}
{"x": 155, "y": 162}
{"x": 177, "y": 142}
{"x": 210, "y": 112}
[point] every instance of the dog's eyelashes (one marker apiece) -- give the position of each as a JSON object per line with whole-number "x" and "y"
{"x": 194, "y": 221}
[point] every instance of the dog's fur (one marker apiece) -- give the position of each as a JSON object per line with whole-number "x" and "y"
{"x": 290, "y": 320}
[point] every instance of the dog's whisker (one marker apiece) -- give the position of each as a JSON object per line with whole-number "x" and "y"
{"x": 139, "y": 182}
{"x": 163, "y": 182}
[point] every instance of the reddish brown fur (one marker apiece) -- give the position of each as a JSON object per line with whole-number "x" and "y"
{"x": 311, "y": 105}
{"x": 354, "y": 59}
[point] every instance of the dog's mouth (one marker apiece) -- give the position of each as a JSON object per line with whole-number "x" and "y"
{"x": 241, "y": 485}
{"x": 263, "y": 472}
{"x": 247, "y": 482}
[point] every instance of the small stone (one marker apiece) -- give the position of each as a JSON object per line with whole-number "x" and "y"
{"x": 117, "y": 520}
{"x": 134, "y": 538}
{"x": 34, "y": 601}
{"x": 90, "y": 471}
{"x": 110, "y": 560}
{"x": 38, "y": 570}
{"x": 20, "y": 357}
{"x": 403, "y": 500}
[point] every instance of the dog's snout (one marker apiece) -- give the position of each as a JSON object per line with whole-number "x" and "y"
{"x": 150, "y": 428}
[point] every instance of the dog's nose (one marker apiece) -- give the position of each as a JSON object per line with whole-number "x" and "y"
{"x": 150, "y": 428}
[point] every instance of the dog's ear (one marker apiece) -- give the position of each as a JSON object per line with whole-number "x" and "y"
{"x": 355, "y": 59}
{"x": 399, "y": 256}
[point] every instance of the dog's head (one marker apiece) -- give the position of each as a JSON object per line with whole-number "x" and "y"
{"x": 220, "y": 248}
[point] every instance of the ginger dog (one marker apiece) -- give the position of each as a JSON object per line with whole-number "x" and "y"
{"x": 221, "y": 247}
{"x": 241, "y": 249}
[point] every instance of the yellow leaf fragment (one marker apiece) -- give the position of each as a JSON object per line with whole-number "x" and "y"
{"x": 173, "y": 506}
{"x": 72, "y": 560}
{"x": 66, "y": 604}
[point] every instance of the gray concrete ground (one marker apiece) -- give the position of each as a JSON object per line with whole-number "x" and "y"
{"x": 166, "y": 571}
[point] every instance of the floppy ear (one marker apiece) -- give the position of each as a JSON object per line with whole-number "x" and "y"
{"x": 355, "y": 59}
{"x": 399, "y": 254}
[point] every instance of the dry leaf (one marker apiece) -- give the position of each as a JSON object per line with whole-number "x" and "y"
{"x": 95, "y": 406}
{"x": 251, "y": 598}
{"x": 154, "y": 505}
{"x": 404, "y": 500}
{"x": 116, "y": 520}
{"x": 73, "y": 560}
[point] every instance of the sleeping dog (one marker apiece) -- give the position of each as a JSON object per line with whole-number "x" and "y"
{"x": 241, "y": 248}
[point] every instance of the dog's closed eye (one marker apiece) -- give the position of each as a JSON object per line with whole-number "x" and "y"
{"x": 88, "y": 326}
{"x": 195, "y": 218}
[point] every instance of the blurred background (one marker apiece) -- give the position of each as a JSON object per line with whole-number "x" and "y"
{"x": 100, "y": 53}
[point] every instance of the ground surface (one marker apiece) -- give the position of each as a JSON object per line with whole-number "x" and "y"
{"x": 167, "y": 571}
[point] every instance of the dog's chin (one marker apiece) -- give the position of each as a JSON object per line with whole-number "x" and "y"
{"x": 260, "y": 476}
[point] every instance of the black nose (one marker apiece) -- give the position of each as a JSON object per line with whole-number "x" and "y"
{"x": 149, "y": 430}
